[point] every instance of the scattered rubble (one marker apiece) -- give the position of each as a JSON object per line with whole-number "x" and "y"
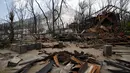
{"x": 103, "y": 29}
{"x": 70, "y": 63}
{"x": 13, "y": 62}
{"x": 59, "y": 45}
{"x": 123, "y": 65}
{"x": 66, "y": 62}
{"x": 25, "y": 47}
{"x": 5, "y": 56}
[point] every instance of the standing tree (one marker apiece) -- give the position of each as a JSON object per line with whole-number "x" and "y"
{"x": 82, "y": 9}
{"x": 56, "y": 13}
{"x": 109, "y": 2}
{"x": 46, "y": 18}
{"x": 21, "y": 15}
{"x": 80, "y": 15}
{"x": 90, "y": 4}
{"x": 54, "y": 10}
{"x": 102, "y": 3}
{"x": 123, "y": 6}
{"x": 11, "y": 18}
{"x": 31, "y": 4}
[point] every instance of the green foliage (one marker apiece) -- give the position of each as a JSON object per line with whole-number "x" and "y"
{"x": 128, "y": 26}
{"x": 127, "y": 31}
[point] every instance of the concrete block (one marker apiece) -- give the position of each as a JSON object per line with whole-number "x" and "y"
{"x": 13, "y": 62}
{"x": 25, "y": 47}
{"x": 107, "y": 51}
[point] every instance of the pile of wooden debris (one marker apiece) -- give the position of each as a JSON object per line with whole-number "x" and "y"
{"x": 65, "y": 62}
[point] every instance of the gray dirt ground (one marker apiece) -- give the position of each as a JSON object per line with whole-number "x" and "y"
{"x": 34, "y": 54}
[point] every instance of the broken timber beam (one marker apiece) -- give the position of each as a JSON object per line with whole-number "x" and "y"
{"x": 47, "y": 68}
{"x": 123, "y": 61}
{"x": 29, "y": 65}
{"x": 25, "y": 68}
{"x": 76, "y": 60}
{"x": 118, "y": 71}
{"x": 56, "y": 60}
{"x": 83, "y": 68}
{"x": 117, "y": 65}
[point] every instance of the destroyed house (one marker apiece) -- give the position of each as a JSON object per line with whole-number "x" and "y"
{"x": 107, "y": 16}
{"x": 104, "y": 18}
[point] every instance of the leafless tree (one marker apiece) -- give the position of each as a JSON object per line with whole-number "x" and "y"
{"x": 52, "y": 6}
{"x": 102, "y": 3}
{"x": 44, "y": 15}
{"x": 11, "y": 18}
{"x": 85, "y": 8}
{"x": 82, "y": 7}
{"x": 81, "y": 13}
{"x": 90, "y": 4}
{"x": 109, "y": 2}
{"x": 123, "y": 5}
{"x": 21, "y": 15}
{"x": 31, "y": 4}
{"x": 57, "y": 11}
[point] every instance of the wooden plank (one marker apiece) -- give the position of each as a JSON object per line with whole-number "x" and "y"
{"x": 117, "y": 65}
{"x": 31, "y": 60}
{"x": 118, "y": 71}
{"x": 76, "y": 60}
{"x": 98, "y": 69}
{"x": 83, "y": 68}
{"x": 56, "y": 60}
{"x": 123, "y": 61}
{"x": 29, "y": 65}
{"x": 47, "y": 68}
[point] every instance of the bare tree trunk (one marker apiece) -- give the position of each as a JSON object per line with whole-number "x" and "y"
{"x": 11, "y": 35}
{"x": 109, "y": 2}
{"x": 59, "y": 13}
{"x": 90, "y": 9}
{"x": 123, "y": 5}
{"x": 34, "y": 15}
{"x": 53, "y": 14}
{"x": 44, "y": 15}
{"x": 53, "y": 17}
{"x": 35, "y": 23}
{"x": 62, "y": 23}
{"x": 11, "y": 28}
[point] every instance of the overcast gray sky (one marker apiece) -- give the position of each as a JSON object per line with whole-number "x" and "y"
{"x": 4, "y": 12}
{"x": 72, "y": 3}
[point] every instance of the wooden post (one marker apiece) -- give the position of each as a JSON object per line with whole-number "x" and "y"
{"x": 107, "y": 51}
